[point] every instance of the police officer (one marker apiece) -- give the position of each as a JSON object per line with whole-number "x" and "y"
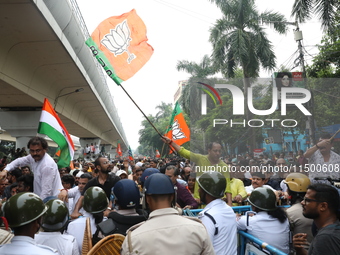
{"x": 95, "y": 203}
{"x": 297, "y": 184}
{"x": 217, "y": 216}
{"x": 126, "y": 214}
{"x": 165, "y": 232}
{"x": 53, "y": 223}
{"x": 23, "y": 213}
{"x": 270, "y": 223}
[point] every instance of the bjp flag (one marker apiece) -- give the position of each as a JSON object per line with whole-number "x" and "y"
{"x": 120, "y": 45}
{"x": 178, "y": 129}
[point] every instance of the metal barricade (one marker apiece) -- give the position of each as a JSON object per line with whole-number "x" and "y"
{"x": 245, "y": 238}
{"x": 237, "y": 209}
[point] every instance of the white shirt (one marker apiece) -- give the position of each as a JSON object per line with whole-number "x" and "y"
{"x": 47, "y": 180}
{"x": 65, "y": 244}
{"x": 225, "y": 242}
{"x": 319, "y": 168}
{"x": 267, "y": 229}
{"x": 283, "y": 186}
{"x": 76, "y": 228}
{"x": 75, "y": 194}
{"x": 25, "y": 245}
{"x": 250, "y": 188}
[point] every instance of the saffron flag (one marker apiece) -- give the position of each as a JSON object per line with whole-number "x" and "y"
{"x": 178, "y": 129}
{"x": 119, "y": 149}
{"x": 130, "y": 153}
{"x": 158, "y": 155}
{"x": 51, "y": 125}
{"x": 120, "y": 45}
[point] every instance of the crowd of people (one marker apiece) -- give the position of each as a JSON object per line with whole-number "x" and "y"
{"x": 48, "y": 208}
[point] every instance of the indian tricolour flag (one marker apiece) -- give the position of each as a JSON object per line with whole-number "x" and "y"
{"x": 51, "y": 125}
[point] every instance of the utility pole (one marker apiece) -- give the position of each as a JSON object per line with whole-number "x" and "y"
{"x": 310, "y": 119}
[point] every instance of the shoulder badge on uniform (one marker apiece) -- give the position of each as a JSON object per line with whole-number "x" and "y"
{"x": 135, "y": 226}
{"x": 193, "y": 218}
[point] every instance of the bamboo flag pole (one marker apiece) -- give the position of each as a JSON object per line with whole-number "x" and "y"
{"x": 173, "y": 149}
{"x": 333, "y": 136}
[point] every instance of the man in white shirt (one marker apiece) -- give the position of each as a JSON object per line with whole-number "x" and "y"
{"x": 217, "y": 216}
{"x": 74, "y": 194}
{"x": 323, "y": 162}
{"x": 47, "y": 182}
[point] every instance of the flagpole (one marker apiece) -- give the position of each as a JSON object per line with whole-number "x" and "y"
{"x": 144, "y": 115}
{"x": 141, "y": 111}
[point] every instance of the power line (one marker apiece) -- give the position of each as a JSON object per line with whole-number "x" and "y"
{"x": 185, "y": 11}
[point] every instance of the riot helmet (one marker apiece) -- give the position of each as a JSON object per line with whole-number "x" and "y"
{"x": 95, "y": 200}
{"x": 213, "y": 183}
{"x": 263, "y": 199}
{"x": 23, "y": 208}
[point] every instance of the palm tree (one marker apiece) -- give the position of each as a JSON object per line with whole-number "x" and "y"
{"x": 326, "y": 10}
{"x": 239, "y": 39}
{"x": 200, "y": 70}
{"x": 190, "y": 98}
{"x": 165, "y": 111}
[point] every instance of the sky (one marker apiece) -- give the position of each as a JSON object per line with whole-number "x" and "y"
{"x": 179, "y": 30}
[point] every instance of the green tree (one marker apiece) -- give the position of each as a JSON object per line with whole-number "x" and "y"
{"x": 325, "y": 10}
{"x": 190, "y": 98}
{"x": 149, "y": 139}
{"x": 327, "y": 63}
{"x": 164, "y": 110}
{"x": 239, "y": 39}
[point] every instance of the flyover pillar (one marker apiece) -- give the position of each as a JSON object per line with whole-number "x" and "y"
{"x": 23, "y": 125}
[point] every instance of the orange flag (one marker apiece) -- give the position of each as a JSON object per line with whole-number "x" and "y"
{"x": 119, "y": 149}
{"x": 158, "y": 155}
{"x": 120, "y": 45}
{"x": 178, "y": 129}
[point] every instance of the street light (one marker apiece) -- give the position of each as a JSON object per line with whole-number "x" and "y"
{"x": 56, "y": 100}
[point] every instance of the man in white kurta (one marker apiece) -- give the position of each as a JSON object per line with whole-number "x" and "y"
{"x": 47, "y": 182}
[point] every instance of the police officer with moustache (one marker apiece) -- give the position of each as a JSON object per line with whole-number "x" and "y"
{"x": 165, "y": 232}
{"x": 23, "y": 212}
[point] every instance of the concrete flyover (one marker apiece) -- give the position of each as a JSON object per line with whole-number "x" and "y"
{"x": 43, "y": 54}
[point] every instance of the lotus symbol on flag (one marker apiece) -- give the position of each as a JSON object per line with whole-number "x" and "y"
{"x": 118, "y": 41}
{"x": 177, "y": 131}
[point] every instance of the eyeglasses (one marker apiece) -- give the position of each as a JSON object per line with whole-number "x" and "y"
{"x": 308, "y": 200}
{"x": 35, "y": 151}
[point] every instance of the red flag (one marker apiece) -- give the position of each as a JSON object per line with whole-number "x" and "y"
{"x": 120, "y": 45}
{"x": 178, "y": 129}
{"x": 119, "y": 149}
{"x": 158, "y": 155}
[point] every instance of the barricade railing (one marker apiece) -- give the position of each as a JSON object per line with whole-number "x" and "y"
{"x": 237, "y": 209}
{"x": 245, "y": 238}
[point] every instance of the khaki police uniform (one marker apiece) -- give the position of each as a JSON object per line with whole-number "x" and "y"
{"x": 25, "y": 245}
{"x": 166, "y": 232}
